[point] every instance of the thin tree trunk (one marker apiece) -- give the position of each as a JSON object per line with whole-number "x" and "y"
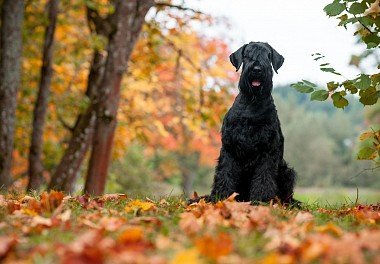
{"x": 68, "y": 168}
{"x": 10, "y": 79}
{"x": 127, "y": 21}
{"x": 35, "y": 152}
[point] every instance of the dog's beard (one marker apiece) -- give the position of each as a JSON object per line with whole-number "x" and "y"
{"x": 255, "y": 86}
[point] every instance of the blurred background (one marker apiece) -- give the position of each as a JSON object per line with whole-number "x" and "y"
{"x": 177, "y": 87}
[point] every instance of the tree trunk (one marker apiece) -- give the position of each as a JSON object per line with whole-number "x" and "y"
{"x": 10, "y": 79}
{"x": 127, "y": 21}
{"x": 67, "y": 170}
{"x": 35, "y": 152}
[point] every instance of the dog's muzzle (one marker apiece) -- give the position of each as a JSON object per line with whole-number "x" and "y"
{"x": 256, "y": 77}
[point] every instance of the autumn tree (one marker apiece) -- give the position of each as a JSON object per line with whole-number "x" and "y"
{"x": 127, "y": 22}
{"x": 39, "y": 115}
{"x": 150, "y": 93}
{"x": 12, "y": 14}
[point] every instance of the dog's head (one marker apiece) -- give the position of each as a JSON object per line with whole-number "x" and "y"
{"x": 257, "y": 59}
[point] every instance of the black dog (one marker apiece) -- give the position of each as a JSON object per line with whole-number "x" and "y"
{"x": 251, "y": 160}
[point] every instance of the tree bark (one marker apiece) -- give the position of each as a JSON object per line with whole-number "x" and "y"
{"x": 67, "y": 170}
{"x": 127, "y": 22}
{"x": 39, "y": 114}
{"x": 10, "y": 79}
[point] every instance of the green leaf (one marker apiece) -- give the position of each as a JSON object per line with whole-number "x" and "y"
{"x": 309, "y": 83}
{"x": 334, "y": 9}
{"x": 324, "y": 64}
{"x": 367, "y": 21}
{"x": 366, "y": 153}
{"x": 332, "y": 70}
{"x": 319, "y": 95}
{"x": 338, "y": 100}
{"x": 363, "y": 82}
{"x": 351, "y": 88}
{"x": 371, "y": 38}
{"x": 371, "y": 45}
{"x": 375, "y": 79}
{"x": 302, "y": 88}
{"x": 369, "y": 96}
{"x": 332, "y": 86}
{"x": 318, "y": 58}
{"x": 357, "y": 8}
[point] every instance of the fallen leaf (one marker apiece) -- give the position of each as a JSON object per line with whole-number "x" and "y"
{"x": 39, "y": 220}
{"x": 303, "y": 217}
{"x": 50, "y": 201}
{"x": 6, "y": 245}
{"x": 215, "y": 247}
{"x": 131, "y": 235}
{"x": 136, "y": 205}
{"x": 188, "y": 256}
{"x": 330, "y": 228}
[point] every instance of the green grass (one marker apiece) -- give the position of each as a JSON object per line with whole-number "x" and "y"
{"x": 335, "y": 197}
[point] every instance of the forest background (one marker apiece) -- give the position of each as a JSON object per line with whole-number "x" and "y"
{"x": 176, "y": 89}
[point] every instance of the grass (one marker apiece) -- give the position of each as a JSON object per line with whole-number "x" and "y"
{"x": 162, "y": 230}
{"x": 337, "y": 196}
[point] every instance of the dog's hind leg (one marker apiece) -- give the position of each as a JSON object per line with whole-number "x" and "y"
{"x": 285, "y": 181}
{"x": 227, "y": 173}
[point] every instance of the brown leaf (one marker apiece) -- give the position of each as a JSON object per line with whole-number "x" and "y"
{"x": 303, "y": 217}
{"x": 41, "y": 221}
{"x": 6, "y": 245}
{"x": 232, "y": 197}
{"x": 330, "y": 228}
{"x": 50, "y": 201}
{"x": 13, "y": 205}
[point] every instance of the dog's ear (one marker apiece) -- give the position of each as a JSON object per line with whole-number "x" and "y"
{"x": 277, "y": 58}
{"x": 236, "y": 58}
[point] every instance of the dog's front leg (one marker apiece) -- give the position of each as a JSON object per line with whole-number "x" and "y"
{"x": 263, "y": 185}
{"x": 226, "y": 177}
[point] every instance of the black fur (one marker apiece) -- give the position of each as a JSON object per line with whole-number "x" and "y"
{"x": 251, "y": 159}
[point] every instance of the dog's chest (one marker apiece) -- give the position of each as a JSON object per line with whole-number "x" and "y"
{"x": 249, "y": 128}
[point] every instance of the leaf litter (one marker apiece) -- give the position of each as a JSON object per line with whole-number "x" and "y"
{"x": 115, "y": 228}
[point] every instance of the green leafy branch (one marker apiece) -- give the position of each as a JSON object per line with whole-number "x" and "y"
{"x": 366, "y": 86}
{"x": 365, "y": 15}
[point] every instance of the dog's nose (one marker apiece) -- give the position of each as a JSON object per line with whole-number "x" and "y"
{"x": 257, "y": 69}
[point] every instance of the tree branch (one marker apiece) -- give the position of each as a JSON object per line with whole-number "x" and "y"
{"x": 179, "y": 7}
{"x": 97, "y": 23}
{"x": 64, "y": 123}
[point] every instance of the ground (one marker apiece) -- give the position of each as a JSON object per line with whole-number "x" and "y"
{"x": 115, "y": 228}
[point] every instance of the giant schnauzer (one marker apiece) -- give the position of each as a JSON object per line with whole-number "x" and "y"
{"x": 251, "y": 159}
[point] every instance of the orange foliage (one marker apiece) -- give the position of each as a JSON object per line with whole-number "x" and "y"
{"x": 174, "y": 95}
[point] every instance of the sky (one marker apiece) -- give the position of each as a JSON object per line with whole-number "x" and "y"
{"x": 295, "y": 28}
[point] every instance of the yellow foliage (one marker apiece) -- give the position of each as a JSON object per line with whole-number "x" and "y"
{"x": 136, "y": 205}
